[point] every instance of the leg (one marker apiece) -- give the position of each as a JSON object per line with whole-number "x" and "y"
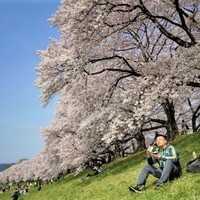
{"x": 148, "y": 169}
{"x": 167, "y": 173}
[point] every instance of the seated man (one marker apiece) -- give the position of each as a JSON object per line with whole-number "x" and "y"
{"x": 169, "y": 166}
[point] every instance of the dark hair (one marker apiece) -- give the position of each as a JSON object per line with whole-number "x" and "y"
{"x": 160, "y": 134}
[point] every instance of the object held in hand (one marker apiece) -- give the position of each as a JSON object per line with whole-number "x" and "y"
{"x": 150, "y": 149}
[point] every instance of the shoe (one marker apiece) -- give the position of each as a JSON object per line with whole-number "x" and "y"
{"x": 157, "y": 187}
{"x": 136, "y": 189}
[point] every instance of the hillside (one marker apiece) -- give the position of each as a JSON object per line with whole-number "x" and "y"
{"x": 4, "y": 166}
{"x": 113, "y": 183}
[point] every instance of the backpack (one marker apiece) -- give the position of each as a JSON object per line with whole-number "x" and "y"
{"x": 193, "y": 166}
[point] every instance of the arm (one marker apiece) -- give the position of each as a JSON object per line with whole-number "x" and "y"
{"x": 152, "y": 157}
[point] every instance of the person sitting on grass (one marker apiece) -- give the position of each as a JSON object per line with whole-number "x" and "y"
{"x": 168, "y": 159}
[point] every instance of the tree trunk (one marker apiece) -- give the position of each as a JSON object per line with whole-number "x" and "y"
{"x": 171, "y": 126}
{"x": 140, "y": 140}
{"x": 195, "y": 116}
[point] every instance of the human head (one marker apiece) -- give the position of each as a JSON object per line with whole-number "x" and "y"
{"x": 161, "y": 140}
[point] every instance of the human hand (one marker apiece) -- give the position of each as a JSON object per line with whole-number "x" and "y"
{"x": 152, "y": 154}
{"x": 149, "y": 150}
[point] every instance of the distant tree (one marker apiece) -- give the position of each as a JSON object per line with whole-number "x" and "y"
{"x": 21, "y": 160}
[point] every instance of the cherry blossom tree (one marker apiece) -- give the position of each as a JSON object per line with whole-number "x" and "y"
{"x": 118, "y": 37}
{"x": 121, "y": 69}
{"x": 147, "y": 47}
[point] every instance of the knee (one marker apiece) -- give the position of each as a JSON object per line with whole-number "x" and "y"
{"x": 147, "y": 166}
{"x": 168, "y": 162}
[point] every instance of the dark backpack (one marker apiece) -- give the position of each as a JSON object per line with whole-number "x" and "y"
{"x": 193, "y": 165}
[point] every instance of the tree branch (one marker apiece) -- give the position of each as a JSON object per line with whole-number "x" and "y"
{"x": 184, "y": 26}
{"x": 165, "y": 32}
{"x": 193, "y": 84}
{"x": 152, "y": 128}
{"x": 131, "y": 71}
{"x": 111, "y": 90}
{"x": 160, "y": 121}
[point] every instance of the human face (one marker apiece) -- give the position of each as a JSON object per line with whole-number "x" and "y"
{"x": 161, "y": 142}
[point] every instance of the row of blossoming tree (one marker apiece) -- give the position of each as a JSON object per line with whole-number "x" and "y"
{"x": 120, "y": 69}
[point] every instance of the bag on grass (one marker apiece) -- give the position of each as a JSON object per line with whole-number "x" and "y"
{"x": 193, "y": 165}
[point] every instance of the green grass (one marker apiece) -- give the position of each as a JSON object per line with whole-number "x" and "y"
{"x": 113, "y": 183}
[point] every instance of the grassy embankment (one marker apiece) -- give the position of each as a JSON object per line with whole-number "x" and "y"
{"x": 113, "y": 183}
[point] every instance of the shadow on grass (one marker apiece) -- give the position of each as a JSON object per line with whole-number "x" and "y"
{"x": 118, "y": 166}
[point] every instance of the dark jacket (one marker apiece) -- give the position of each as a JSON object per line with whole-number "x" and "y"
{"x": 15, "y": 195}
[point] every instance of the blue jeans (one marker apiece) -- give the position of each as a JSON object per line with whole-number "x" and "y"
{"x": 169, "y": 172}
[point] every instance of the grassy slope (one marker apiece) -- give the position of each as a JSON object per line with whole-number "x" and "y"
{"x": 118, "y": 175}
